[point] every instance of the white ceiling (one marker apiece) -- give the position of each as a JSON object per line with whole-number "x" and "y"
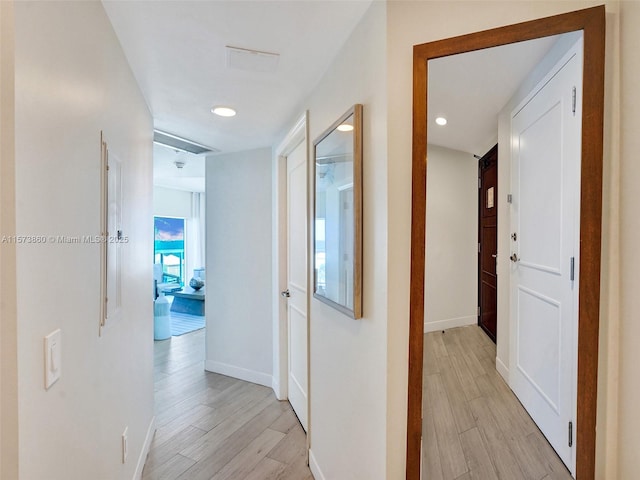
{"x": 176, "y": 50}
{"x": 166, "y": 174}
{"x": 471, "y": 89}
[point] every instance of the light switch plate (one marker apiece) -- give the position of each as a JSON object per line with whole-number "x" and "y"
{"x": 52, "y": 357}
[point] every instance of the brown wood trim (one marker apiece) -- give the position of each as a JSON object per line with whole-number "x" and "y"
{"x": 592, "y": 22}
{"x": 418, "y": 221}
{"x": 590, "y": 242}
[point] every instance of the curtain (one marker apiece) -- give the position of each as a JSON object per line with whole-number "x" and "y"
{"x": 195, "y": 235}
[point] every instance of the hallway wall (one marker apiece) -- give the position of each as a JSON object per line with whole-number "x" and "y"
{"x": 628, "y": 441}
{"x": 347, "y": 363}
{"x": 451, "y": 264}
{"x": 8, "y": 323}
{"x": 238, "y": 265}
{"x": 72, "y": 81}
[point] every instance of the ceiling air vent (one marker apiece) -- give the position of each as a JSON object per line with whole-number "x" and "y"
{"x": 252, "y": 60}
{"x": 182, "y": 144}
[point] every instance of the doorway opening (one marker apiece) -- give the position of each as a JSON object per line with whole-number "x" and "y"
{"x": 179, "y": 285}
{"x": 591, "y": 23}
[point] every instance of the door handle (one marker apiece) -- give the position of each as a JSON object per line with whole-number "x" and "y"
{"x": 514, "y": 258}
{"x": 285, "y": 293}
{"x": 495, "y": 255}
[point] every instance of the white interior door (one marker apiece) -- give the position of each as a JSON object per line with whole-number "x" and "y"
{"x": 297, "y": 280}
{"x": 546, "y": 135}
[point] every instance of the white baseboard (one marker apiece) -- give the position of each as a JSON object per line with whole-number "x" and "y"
{"x": 239, "y": 373}
{"x": 145, "y": 449}
{"x": 450, "y": 323}
{"x": 277, "y": 389}
{"x": 502, "y": 370}
{"x": 315, "y": 468}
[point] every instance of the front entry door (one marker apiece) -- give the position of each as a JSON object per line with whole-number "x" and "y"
{"x": 488, "y": 242}
{"x": 545, "y": 140}
{"x": 297, "y": 280}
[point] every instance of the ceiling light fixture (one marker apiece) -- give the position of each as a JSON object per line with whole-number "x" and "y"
{"x": 345, "y": 127}
{"x": 223, "y": 111}
{"x": 441, "y": 121}
{"x": 179, "y": 164}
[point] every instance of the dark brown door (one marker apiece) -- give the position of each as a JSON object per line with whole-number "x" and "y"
{"x": 488, "y": 241}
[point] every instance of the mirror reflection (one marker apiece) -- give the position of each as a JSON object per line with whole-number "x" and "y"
{"x": 334, "y": 215}
{"x": 336, "y": 252}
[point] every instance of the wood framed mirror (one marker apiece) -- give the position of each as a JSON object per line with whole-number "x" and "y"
{"x": 337, "y": 231}
{"x": 592, "y": 23}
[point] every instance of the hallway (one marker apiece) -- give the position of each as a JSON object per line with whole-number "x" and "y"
{"x": 474, "y": 426}
{"x": 214, "y": 427}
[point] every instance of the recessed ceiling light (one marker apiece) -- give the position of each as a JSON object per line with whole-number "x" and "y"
{"x": 441, "y": 121}
{"x": 345, "y": 127}
{"x": 223, "y": 111}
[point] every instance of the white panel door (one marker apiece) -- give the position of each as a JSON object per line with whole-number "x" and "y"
{"x": 544, "y": 246}
{"x": 297, "y": 280}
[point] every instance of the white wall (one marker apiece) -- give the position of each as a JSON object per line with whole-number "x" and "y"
{"x": 238, "y": 264}
{"x": 629, "y": 439}
{"x": 8, "y": 326}
{"x": 410, "y": 23}
{"x": 451, "y": 265}
{"x": 72, "y": 81}
{"x": 168, "y": 202}
{"x": 348, "y": 357}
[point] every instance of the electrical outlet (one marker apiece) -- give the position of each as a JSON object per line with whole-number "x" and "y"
{"x": 125, "y": 444}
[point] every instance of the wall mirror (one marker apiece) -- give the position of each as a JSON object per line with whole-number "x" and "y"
{"x": 337, "y": 256}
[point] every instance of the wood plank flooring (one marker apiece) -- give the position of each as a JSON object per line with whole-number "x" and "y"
{"x": 214, "y": 427}
{"x": 474, "y": 426}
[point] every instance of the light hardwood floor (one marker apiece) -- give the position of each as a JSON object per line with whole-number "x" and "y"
{"x": 214, "y": 427}
{"x": 474, "y": 426}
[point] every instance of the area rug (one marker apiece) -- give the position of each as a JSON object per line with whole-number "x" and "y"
{"x": 182, "y": 323}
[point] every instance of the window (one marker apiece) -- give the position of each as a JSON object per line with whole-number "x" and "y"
{"x": 169, "y": 248}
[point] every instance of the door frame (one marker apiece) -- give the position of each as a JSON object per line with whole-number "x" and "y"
{"x": 592, "y": 22}
{"x": 298, "y": 134}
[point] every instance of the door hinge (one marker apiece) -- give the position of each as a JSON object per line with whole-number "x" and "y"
{"x": 573, "y": 101}
{"x": 572, "y": 269}
{"x": 479, "y": 182}
{"x": 478, "y": 247}
{"x": 571, "y": 434}
{"x": 478, "y": 311}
